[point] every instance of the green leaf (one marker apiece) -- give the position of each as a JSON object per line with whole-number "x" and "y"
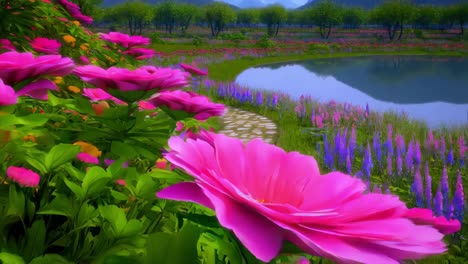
{"x": 60, "y": 205}
{"x": 95, "y": 181}
{"x": 133, "y": 227}
{"x": 123, "y": 150}
{"x": 60, "y": 154}
{"x": 50, "y": 259}
{"x": 119, "y": 196}
{"x": 145, "y": 187}
{"x": 35, "y": 240}
{"x": 115, "y": 216}
{"x": 8, "y": 258}
{"x": 75, "y": 188}
{"x": 86, "y": 215}
{"x": 164, "y": 248}
{"x": 36, "y": 162}
{"x": 33, "y": 120}
{"x": 8, "y": 121}
{"x": 16, "y": 202}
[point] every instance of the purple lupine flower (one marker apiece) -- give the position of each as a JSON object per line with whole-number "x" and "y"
{"x": 399, "y": 164}
{"x": 377, "y": 148}
{"x": 430, "y": 140}
{"x": 389, "y": 142}
{"x": 444, "y": 183}
{"x": 442, "y": 148}
{"x": 458, "y": 200}
{"x": 462, "y": 148}
{"x": 417, "y": 189}
{"x": 450, "y": 158}
{"x": 259, "y": 98}
{"x": 349, "y": 166}
{"x": 416, "y": 153}
{"x": 400, "y": 144}
{"x": 389, "y": 164}
{"x": 337, "y": 142}
{"x": 329, "y": 158}
{"x": 409, "y": 157}
{"x": 438, "y": 203}
{"x": 352, "y": 143}
{"x": 367, "y": 162}
{"x": 358, "y": 174}
{"x": 367, "y": 110}
{"x": 312, "y": 116}
{"x": 428, "y": 189}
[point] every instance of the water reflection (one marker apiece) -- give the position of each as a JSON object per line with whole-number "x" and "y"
{"x": 432, "y": 89}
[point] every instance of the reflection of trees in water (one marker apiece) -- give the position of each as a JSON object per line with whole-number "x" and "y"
{"x": 402, "y": 79}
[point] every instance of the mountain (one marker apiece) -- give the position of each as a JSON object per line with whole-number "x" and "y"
{"x": 374, "y": 3}
{"x": 109, "y": 3}
{"x": 250, "y": 4}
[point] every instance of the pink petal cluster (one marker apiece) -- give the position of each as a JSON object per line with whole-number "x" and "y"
{"x": 45, "y": 45}
{"x": 140, "y": 53}
{"x": 96, "y": 94}
{"x": 189, "y": 102}
{"x": 143, "y": 78}
{"x": 266, "y": 195}
{"x": 87, "y": 158}
{"x": 7, "y": 94}
{"x": 5, "y": 44}
{"x": 75, "y": 11}
{"x": 125, "y": 40}
{"x": 23, "y": 176}
{"x": 193, "y": 70}
{"x": 16, "y": 66}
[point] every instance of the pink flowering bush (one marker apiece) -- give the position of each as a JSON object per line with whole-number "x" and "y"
{"x": 44, "y": 45}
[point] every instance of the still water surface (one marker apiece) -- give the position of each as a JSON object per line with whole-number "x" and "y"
{"x": 431, "y": 89}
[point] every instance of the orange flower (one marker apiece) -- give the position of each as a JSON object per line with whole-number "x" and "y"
{"x": 29, "y": 138}
{"x": 161, "y": 164}
{"x": 58, "y": 80}
{"x": 84, "y": 47}
{"x": 88, "y": 148}
{"x": 69, "y": 39}
{"x": 76, "y": 22}
{"x": 74, "y": 89}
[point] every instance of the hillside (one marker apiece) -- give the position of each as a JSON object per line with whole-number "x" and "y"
{"x": 373, "y": 3}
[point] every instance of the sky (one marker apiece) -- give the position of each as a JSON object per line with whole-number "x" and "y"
{"x": 298, "y": 2}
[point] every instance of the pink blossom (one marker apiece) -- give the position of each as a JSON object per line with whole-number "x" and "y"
{"x": 143, "y": 78}
{"x": 23, "y": 176}
{"x": 144, "y": 105}
{"x": 74, "y": 10}
{"x": 84, "y": 60}
{"x": 140, "y": 53}
{"x": 193, "y": 70}
{"x": 189, "y": 102}
{"x": 7, "y": 94}
{"x": 6, "y": 45}
{"x": 44, "y": 45}
{"x": 38, "y": 89}
{"x": 121, "y": 182}
{"x": 179, "y": 126}
{"x": 96, "y": 94}
{"x": 16, "y": 67}
{"x": 264, "y": 205}
{"x": 87, "y": 158}
{"x": 125, "y": 40}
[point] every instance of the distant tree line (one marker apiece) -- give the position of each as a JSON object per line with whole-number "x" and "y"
{"x": 393, "y": 15}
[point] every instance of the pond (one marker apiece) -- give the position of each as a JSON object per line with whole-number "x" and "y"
{"x": 427, "y": 88}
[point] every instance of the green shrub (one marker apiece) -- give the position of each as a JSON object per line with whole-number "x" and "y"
{"x": 266, "y": 43}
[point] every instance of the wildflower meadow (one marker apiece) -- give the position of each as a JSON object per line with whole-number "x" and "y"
{"x": 110, "y": 153}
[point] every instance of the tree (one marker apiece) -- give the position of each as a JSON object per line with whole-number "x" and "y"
{"x": 326, "y": 15}
{"x": 184, "y": 15}
{"x": 133, "y": 14}
{"x": 393, "y": 15}
{"x": 425, "y": 16}
{"x": 461, "y": 16}
{"x": 218, "y": 15}
{"x": 353, "y": 17}
{"x": 248, "y": 16}
{"x": 273, "y": 16}
{"x": 166, "y": 15}
{"x": 88, "y": 7}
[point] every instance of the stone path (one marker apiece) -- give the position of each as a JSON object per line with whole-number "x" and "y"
{"x": 246, "y": 125}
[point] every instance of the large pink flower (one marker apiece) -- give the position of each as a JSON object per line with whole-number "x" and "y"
{"x": 44, "y": 45}
{"x": 16, "y": 67}
{"x": 96, "y": 94}
{"x": 266, "y": 195}
{"x": 23, "y": 176}
{"x": 5, "y": 44}
{"x": 140, "y": 53}
{"x": 143, "y": 78}
{"x": 7, "y": 94}
{"x": 74, "y": 10}
{"x": 125, "y": 40}
{"x": 189, "y": 102}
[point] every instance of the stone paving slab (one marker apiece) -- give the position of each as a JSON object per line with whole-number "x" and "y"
{"x": 247, "y": 126}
